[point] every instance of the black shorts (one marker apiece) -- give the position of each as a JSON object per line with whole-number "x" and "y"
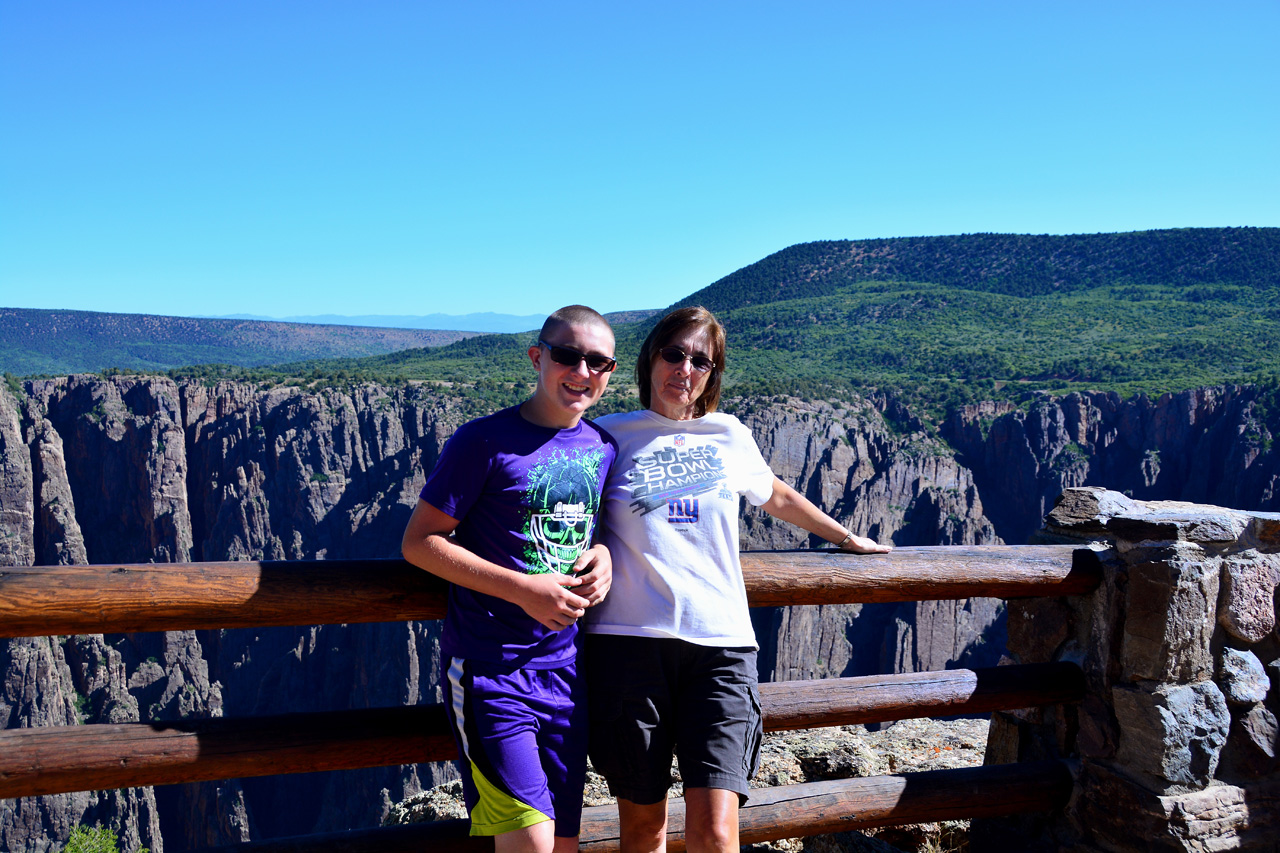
{"x": 652, "y": 697}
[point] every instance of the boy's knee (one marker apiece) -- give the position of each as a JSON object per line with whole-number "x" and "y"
{"x": 539, "y": 838}
{"x": 565, "y": 845}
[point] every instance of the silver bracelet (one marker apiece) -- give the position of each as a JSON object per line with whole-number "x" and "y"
{"x": 848, "y": 534}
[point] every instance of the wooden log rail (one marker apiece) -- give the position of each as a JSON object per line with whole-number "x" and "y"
{"x": 61, "y": 600}
{"x": 812, "y": 808}
{"x": 45, "y": 600}
{"x": 59, "y": 759}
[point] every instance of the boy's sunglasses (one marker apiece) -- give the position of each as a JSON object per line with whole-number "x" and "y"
{"x": 675, "y": 355}
{"x": 569, "y": 357}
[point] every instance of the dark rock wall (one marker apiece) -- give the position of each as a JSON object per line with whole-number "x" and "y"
{"x": 51, "y": 681}
{"x": 134, "y": 469}
{"x": 900, "y": 487}
{"x": 1203, "y": 446}
{"x": 137, "y": 470}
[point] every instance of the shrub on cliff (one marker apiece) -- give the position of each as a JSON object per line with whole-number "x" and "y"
{"x": 99, "y": 839}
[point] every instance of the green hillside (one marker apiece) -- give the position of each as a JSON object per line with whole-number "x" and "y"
{"x": 936, "y": 342}
{"x": 1010, "y": 264}
{"x": 1154, "y": 312}
{"x": 930, "y": 343}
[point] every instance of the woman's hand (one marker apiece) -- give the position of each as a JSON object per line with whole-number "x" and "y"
{"x": 862, "y": 545}
{"x": 595, "y": 569}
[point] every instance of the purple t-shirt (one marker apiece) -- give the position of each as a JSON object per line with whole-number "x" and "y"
{"x": 526, "y": 497}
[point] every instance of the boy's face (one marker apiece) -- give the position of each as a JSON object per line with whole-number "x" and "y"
{"x": 571, "y": 390}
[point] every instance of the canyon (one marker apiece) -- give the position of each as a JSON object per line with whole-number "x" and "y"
{"x": 131, "y": 469}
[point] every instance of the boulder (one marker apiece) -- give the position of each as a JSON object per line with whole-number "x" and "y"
{"x": 1172, "y": 735}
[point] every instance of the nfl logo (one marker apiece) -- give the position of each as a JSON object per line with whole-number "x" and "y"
{"x": 679, "y": 441}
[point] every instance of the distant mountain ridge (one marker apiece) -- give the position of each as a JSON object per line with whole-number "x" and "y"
{"x": 56, "y": 342}
{"x": 931, "y": 317}
{"x": 484, "y": 321}
{"x": 1007, "y": 264}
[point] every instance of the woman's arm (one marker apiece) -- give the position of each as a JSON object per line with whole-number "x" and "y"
{"x": 794, "y": 508}
{"x": 426, "y": 544}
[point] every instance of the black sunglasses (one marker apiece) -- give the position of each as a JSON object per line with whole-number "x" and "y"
{"x": 569, "y": 357}
{"x": 675, "y": 355}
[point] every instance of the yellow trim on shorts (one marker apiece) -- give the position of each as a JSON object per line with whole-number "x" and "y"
{"x": 497, "y": 811}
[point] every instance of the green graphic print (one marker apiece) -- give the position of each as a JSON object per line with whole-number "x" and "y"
{"x": 564, "y": 497}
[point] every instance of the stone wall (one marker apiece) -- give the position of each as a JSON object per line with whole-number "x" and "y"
{"x": 1175, "y": 745}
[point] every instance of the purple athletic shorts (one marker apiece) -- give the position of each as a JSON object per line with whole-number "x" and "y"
{"x": 522, "y": 742}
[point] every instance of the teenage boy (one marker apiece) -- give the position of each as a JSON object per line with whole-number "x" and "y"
{"x": 519, "y": 491}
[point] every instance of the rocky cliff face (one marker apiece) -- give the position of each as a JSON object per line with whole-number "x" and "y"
{"x": 134, "y": 470}
{"x": 894, "y": 486}
{"x": 1204, "y": 446}
{"x": 137, "y": 469}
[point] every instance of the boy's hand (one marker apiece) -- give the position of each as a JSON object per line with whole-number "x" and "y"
{"x": 595, "y": 569}
{"x": 548, "y": 599}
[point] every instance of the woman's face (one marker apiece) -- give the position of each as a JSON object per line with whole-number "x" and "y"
{"x": 675, "y": 388}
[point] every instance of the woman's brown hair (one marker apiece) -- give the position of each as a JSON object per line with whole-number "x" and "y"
{"x": 668, "y": 329}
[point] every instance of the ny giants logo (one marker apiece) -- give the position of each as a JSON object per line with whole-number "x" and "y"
{"x": 682, "y": 511}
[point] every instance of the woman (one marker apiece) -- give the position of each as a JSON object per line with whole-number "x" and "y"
{"x": 671, "y": 655}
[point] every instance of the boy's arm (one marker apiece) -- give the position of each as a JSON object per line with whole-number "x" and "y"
{"x": 546, "y": 598}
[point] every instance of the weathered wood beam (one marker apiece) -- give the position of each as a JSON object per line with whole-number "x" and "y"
{"x": 812, "y": 808}
{"x": 44, "y": 600}
{"x": 789, "y": 705}
{"x": 188, "y": 596}
{"x": 935, "y": 795}
{"x": 59, "y": 759}
{"x": 926, "y": 573}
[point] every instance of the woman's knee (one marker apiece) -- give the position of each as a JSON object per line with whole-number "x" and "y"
{"x": 710, "y": 820}
{"x": 642, "y": 827}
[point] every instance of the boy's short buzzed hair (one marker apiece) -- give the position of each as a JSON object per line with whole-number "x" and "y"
{"x": 573, "y": 314}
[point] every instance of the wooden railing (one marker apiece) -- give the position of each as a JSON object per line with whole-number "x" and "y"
{"x": 61, "y": 600}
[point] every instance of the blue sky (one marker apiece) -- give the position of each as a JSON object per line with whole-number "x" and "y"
{"x": 279, "y": 158}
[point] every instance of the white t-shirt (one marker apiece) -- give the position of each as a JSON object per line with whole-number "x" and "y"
{"x": 670, "y": 520}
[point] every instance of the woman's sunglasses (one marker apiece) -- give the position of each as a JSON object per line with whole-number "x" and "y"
{"x": 569, "y": 357}
{"x": 675, "y": 355}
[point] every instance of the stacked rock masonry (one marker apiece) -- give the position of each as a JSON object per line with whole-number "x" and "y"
{"x": 1175, "y": 744}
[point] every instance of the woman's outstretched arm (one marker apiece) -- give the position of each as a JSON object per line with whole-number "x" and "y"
{"x": 794, "y": 508}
